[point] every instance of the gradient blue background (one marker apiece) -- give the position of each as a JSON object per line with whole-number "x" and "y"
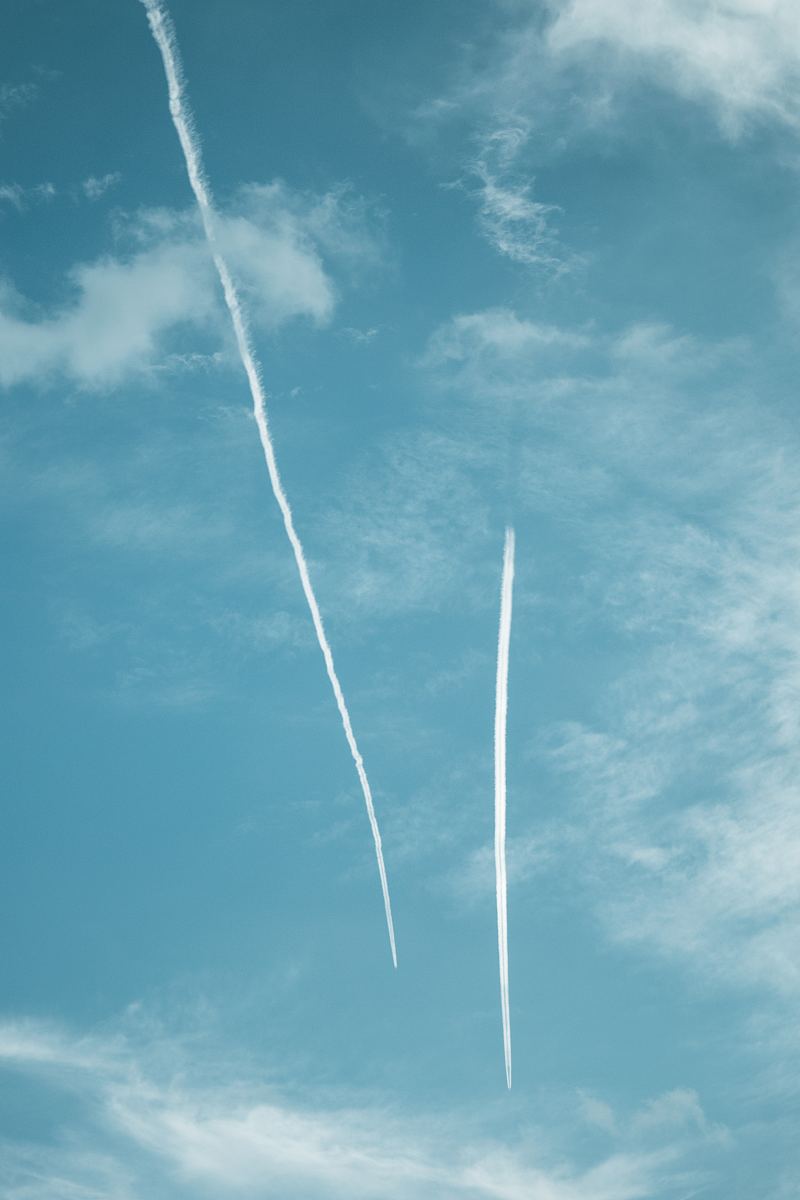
{"x": 560, "y": 291}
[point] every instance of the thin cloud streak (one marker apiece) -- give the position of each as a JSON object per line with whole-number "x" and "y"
{"x": 148, "y": 1114}
{"x": 500, "y": 716}
{"x": 164, "y": 35}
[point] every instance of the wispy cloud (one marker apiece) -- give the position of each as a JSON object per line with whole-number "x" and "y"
{"x": 204, "y": 577}
{"x": 22, "y": 196}
{"x": 562, "y": 71}
{"x": 14, "y": 96}
{"x": 410, "y": 516}
{"x": 173, "y": 686}
{"x": 19, "y": 197}
{"x": 473, "y": 878}
{"x": 512, "y": 221}
{"x": 149, "y": 1117}
{"x": 96, "y": 186}
{"x": 470, "y": 337}
{"x": 740, "y": 57}
{"x": 360, "y": 337}
{"x": 682, "y": 512}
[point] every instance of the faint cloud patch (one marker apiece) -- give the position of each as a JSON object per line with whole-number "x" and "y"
{"x": 473, "y": 880}
{"x": 677, "y": 492}
{"x": 597, "y": 1112}
{"x": 360, "y": 337}
{"x": 496, "y": 332}
{"x": 192, "y": 361}
{"x": 96, "y": 186}
{"x": 153, "y": 1116}
{"x": 678, "y": 1109}
{"x": 16, "y": 96}
{"x": 264, "y": 633}
{"x": 83, "y": 632}
{"x": 171, "y": 686}
{"x": 159, "y": 528}
{"x": 445, "y": 680}
{"x": 20, "y": 197}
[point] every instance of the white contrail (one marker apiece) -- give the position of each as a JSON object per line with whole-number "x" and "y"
{"x": 500, "y": 714}
{"x": 164, "y": 34}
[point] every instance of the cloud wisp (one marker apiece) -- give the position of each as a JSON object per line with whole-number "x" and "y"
{"x": 148, "y": 1114}
{"x": 680, "y": 786}
{"x": 500, "y": 718}
{"x": 516, "y": 225}
{"x": 164, "y": 36}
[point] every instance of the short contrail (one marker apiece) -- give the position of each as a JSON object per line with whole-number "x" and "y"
{"x": 500, "y": 714}
{"x": 164, "y": 34}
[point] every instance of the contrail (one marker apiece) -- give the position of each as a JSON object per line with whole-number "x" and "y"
{"x": 500, "y": 714}
{"x": 164, "y": 33}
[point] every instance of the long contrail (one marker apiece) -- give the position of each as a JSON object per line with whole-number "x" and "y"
{"x": 164, "y": 34}
{"x": 500, "y": 715}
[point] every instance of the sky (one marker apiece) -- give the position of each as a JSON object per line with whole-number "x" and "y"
{"x": 527, "y": 263}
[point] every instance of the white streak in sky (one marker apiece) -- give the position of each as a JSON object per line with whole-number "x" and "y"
{"x": 164, "y": 34}
{"x": 500, "y": 714}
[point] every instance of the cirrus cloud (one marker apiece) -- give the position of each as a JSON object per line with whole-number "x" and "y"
{"x": 140, "y": 1122}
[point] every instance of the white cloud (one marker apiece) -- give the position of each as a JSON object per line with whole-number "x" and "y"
{"x": 688, "y": 785}
{"x": 282, "y": 273}
{"x": 123, "y": 308}
{"x": 192, "y": 360}
{"x": 149, "y": 1120}
{"x": 678, "y": 1109}
{"x": 597, "y": 1112}
{"x": 360, "y": 337}
{"x": 413, "y": 527}
{"x": 742, "y": 56}
{"x": 158, "y": 528}
{"x": 97, "y": 185}
{"x": 562, "y": 67}
{"x": 174, "y": 685}
{"x": 269, "y": 631}
{"x": 301, "y": 232}
{"x": 474, "y": 879}
{"x": 676, "y": 496}
{"x": 516, "y": 225}
{"x": 727, "y": 896}
{"x": 711, "y": 708}
{"x": 19, "y": 197}
{"x": 113, "y": 326}
{"x": 654, "y": 347}
{"x": 14, "y": 96}
{"x": 496, "y": 333}
{"x": 401, "y": 535}
{"x": 177, "y": 638}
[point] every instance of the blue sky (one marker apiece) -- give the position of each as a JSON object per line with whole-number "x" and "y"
{"x": 512, "y": 262}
